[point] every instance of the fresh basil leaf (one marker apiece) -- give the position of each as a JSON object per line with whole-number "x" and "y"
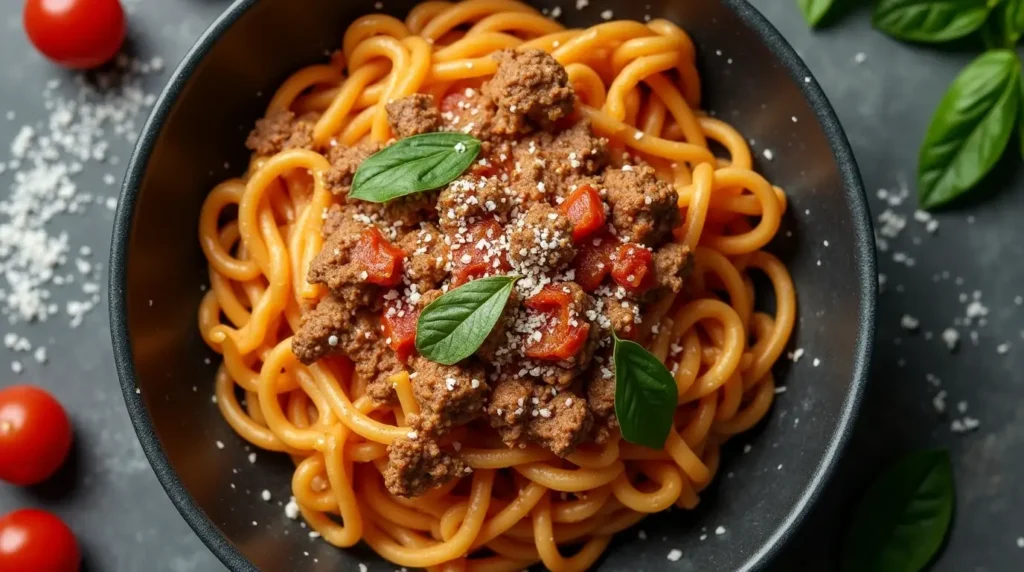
{"x": 970, "y": 128}
{"x": 1012, "y": 12}
{"x": 815, "y": 10}
{"x": 452, "y": 327}
{"x": 645, "y": 395}
{"x": 929, "y": 20}
{"x": 902, "y": 520}
{"x": 414, "y": 164}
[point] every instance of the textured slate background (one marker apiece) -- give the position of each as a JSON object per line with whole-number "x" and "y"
{"x": 884, "y": 99}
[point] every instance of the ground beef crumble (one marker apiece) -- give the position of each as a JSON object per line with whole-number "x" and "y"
{"x": 413, "y": 115}
{"x": 504, "y": 215}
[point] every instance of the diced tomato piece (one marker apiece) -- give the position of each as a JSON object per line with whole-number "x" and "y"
{"x": 381, "y": 260}
{"x": 454, "y": 102}
{"x": 399, "y": 321}
{"x": 633, "y": 268}
{"x": 475, "y": 258}
{"x": 563, "y": 335}
{"x": 593, "y": 260}
{"x": 585, "y": 211}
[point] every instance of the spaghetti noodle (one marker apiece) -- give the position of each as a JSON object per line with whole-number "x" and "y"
{"x": 638, "y": 86}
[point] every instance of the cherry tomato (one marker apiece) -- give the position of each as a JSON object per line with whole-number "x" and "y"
{"x": 561, "y": 337}
{"x": 36, "y": 540}
{"x": 585, "y": 211}
{"x": 381, "y": 260}
{"x": 79, "y": 34}
{"x": 633, "y": 268}
{"x": 35, "y": 435}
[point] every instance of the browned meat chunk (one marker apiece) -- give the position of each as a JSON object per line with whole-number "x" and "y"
{"x": 600, "y": 389}
{"x": 548, "y": 167}
{"x": 469, "y": 111}
{"x": 644, "y": 209}
{"x": 416, "y": 465}
{"x": 540, "y": 240}
{"x": 428, "y": 254}
{"x": 529, "y": 88}
{"x": 468, "y": 199}
{"x": 413, "y": 115}
{"x": 333, "y": 265}
{"x": 619, "y": 315}
{"x": 671, "y": 265}
{"x": 344, "y": 162}
{"x": 526, "y": 411}
{"x": 281, "y": 130}
{"x": 449, "y": 395}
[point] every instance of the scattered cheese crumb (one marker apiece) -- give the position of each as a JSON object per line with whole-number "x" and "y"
{"x": 265, "y": 495}
{"x": 721, "y": 529}
{"x": 674, "y": 555}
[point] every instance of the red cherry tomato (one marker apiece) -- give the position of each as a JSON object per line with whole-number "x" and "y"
{"x": 79, "y": 34}
{"x": 593, "y": 260}
{"x": 381, "y": 260}
{"x": 36, "y": 540}
{"x": 35, "y": 435}
{"x": 585, "y": 211}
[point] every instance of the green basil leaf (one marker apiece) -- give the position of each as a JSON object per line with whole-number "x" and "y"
{"x": 815, "y": 10}
{"x": 970, "y": 128}
{"x": 452, "y": 327}
{"x": 902, "y": 520}
{"x": 1012, "y": 21}
{"x": 929, "y": 20}
{"x": 645, "y": 395}
{"x": 1020, "y": 118}
{"x": 414, "y": 164}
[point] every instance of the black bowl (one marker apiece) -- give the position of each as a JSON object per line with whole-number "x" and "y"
{"x": 195, "y": 138}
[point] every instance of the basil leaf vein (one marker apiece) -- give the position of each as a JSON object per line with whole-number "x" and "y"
{"x": 902, "y": 520}
{"x": 970, "y": 128}
{"x": 645, "y": 395}
{"x": 815, "y": 10}
{"x": 929, "y": 20}
{"x": 452, "y": 327}
{"x": 412, "y": 165}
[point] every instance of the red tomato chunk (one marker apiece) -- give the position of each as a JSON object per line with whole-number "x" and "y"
{"x": 633, "y": 268}
{"x": 585, "y": 211}
{"x": 400, "y": 327}
{"x": 381, "y": 260}
{"x": 562, "y": 336}
{"x": 593, "y": 260}
{"x": 475, "y": 259}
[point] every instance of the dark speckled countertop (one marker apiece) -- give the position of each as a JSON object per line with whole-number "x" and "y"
{"x": 884, "y": 93}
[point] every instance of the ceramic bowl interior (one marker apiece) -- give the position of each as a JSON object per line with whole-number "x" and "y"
{"x": 194, "y": 139}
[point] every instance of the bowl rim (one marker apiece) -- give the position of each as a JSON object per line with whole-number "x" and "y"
{"x": 863, "y": 242}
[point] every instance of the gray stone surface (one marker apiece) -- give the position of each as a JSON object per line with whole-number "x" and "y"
{"x": 126, "y": 522}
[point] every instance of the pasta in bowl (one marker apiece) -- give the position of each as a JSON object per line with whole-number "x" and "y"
{"x": 497, "y": 285}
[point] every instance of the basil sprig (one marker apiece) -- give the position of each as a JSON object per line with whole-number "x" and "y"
{"x": 412, "y": 165}
{"x": 815, "y": 10}
{"x": 970, "y": 128}
{"x": 930, "y": 20}
{"x": 645, "y": 395}
{"x": 452, "y": 327}
{"x": 902, "y": 520}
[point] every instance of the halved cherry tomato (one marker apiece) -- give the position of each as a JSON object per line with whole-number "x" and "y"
{"x": 585, "y": 211}
{"x": 381, "y": 260}
{"x": 400, "y": 327}
{"x": 562, "y": 337}
{"x": 35, "y": 435}
{"x": 593, "y": 261}
{"x": 36, "y": 540}
{"x": 78, "y": 34}
{"x": 633, "y": 268}
{"x": 475, "y": 258}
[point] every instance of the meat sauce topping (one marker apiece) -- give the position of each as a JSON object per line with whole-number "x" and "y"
{"x": 588, "y": 236}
